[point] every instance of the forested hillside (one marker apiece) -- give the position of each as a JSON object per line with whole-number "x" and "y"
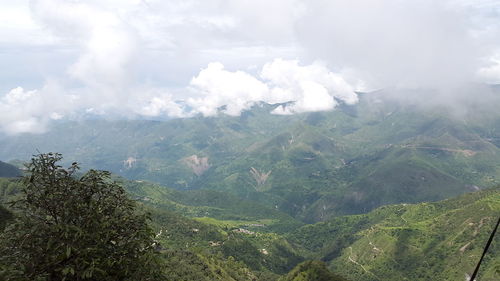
{"x": 312, "y": 166}
{"x": 207, "y": 235}
{"x": 287, "y": 140}
{"x": 8, "y": 171}
{"x": 427, "y": 241}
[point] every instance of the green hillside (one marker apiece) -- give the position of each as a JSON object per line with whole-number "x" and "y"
{"x": 312, "y": 166}
{"x": 220, "y": 225}
{"x": 206, "y": 233}
{"x": 211, "y": 235}
{"x": 426, "y": 241}
{"x": 441, "y": 240}
{"x": 205, "y": 204}
{"x": 8, "y": 171}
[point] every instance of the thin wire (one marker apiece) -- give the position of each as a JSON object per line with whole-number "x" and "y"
{"x": 472, "y": 278}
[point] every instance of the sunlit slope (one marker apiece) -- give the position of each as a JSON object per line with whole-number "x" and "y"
{"x": 210, "y": 230}
{"x": 207, "y": 238}
{"x": 209, "y": 234}
{"x": 427, "y": 241}
{"x": 227, "y": 209}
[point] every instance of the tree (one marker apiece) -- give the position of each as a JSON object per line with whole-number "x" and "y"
{"x": 76, "y": 228}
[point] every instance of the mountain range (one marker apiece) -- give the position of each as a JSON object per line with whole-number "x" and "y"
{"x": 311, "y": 166}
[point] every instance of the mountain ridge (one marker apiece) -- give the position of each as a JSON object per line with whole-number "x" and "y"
{"x": 320, "y": 164}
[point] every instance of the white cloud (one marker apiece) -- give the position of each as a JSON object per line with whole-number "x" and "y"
{"x": 107, "y": 44}
{"x": 138, "y": 57}
{"x": 399, "y": 43}
{"x": 217, "y": 87}
{"x": 157, "y": 102}
{"x": 315, "y": 97}
{"x": 30, "y": 111}
{"x": 18, "y": 28}
{"x": 199, "y": 24}
{"x": 490, "y": 73}
{"x": 311, "y": 88}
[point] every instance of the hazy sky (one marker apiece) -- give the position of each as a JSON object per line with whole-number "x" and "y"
{"x": 157, "y": 58}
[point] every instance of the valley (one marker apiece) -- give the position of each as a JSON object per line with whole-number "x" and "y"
{"x": 312, "y": 166}
{"x": 207, "y": 235}
{"x": 217, "y": 140}
{"x": 373, "y": 191}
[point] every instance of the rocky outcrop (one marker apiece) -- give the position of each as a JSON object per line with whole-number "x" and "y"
{"x": 198, "y": 164}
{"x": 129, "y": 163}
{"x": 260, "y": 177}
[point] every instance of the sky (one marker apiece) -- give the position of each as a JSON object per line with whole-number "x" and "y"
{"x": 71, "y": 59}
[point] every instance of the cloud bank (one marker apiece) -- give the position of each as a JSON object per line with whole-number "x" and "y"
{"x": 133, "y": 58}
{"x": 398, "y": 43}
{"x": 31, "y": 110}
{"x": 311, "y": 88}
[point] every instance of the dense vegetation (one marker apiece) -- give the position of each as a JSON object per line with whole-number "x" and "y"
{"x": 199, "y": 239}
{"x": 311, "y": 166}
{"x": 87, "y": 229}
{"x": 5, "y": 216}
{"x": 427, "y": 241}
{"x": 9, "y": 188}
{"x": 69, "y": 228}
{"x": 318, "y": 196}
{"x": 397, "y": 242}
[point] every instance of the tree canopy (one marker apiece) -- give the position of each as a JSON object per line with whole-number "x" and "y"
{"x": 76, "y": 228}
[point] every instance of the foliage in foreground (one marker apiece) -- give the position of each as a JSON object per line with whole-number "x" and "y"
{"x": 69, "y": 228}
{"x": 5, "y": 216}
